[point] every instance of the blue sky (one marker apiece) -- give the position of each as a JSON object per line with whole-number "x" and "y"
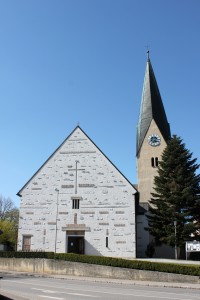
{"x": 69, "y": 61}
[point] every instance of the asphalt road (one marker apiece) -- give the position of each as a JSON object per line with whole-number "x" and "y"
{"x": 39, "y": 288}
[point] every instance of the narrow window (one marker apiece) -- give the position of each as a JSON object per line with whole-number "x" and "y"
{"x": 152, "y": 162}
{"x": 156, "y": 161}
{"x": 107, "y": 242}
{"x": 75, "y": 203}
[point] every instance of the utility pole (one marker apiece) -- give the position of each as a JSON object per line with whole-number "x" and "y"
{"x": 57, "y": 190}
{"x": 175, "y": 224}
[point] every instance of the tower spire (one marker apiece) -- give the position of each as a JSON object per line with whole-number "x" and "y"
{"x": 151, "y": 107}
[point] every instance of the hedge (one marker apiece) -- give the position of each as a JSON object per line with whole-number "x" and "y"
{"x": 21, "y": 254}
{"x": 110, "y": 261}
{"x": 132, "y": 264}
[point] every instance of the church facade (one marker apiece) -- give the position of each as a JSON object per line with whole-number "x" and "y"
{"x": 79, "y": 202}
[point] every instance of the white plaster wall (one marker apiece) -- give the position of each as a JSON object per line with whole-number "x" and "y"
{"x": 107, "y": 205}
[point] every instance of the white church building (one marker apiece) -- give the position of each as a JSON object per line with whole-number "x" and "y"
{"x": 78, "y": 202}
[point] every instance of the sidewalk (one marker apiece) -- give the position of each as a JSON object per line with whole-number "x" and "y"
{"x": 171, "y": 261}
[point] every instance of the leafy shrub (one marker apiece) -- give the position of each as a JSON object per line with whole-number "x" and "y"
{"x": 131, "y": 264}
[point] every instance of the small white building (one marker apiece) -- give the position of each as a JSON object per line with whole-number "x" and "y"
{"x": 78, "y": 202}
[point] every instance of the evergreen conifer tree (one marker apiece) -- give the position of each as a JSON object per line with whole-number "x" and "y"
{"x": 176, "y": 196}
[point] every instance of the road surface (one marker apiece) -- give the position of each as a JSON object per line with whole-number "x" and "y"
{"x": 41, "y": 288}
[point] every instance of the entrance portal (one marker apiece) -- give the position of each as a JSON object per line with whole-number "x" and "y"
{"x": 76, "y": 244}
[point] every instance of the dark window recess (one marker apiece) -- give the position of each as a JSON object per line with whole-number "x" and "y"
{"x": 75, "y": 204}
{"x": 154, "y": 162}
{"x": 107, "y": 242}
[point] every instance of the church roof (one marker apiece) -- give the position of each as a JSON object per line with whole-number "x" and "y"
{"x": 74, "y": 131}
{"x": 151, "y": 108}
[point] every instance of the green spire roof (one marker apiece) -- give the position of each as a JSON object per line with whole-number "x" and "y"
{"x": 151, "y": 108}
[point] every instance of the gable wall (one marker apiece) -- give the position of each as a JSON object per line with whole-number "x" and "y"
{"x": 107, "y": 205}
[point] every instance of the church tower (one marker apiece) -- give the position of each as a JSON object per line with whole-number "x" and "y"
{"x": 153, "y": 131}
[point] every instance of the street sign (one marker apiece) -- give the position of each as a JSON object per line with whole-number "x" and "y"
{"x": 192, "y": 246}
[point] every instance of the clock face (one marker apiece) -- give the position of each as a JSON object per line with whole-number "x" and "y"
{"x": 154, "y": 140}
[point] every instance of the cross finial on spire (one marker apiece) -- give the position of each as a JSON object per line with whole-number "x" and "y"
{"x": 147, "y": 54}
{"x": 147, "y": 47}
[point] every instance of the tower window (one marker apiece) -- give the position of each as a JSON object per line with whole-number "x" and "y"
{"x": 154, "y": 162}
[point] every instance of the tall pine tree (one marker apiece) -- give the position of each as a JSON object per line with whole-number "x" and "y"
{"x": 176, "y": 196}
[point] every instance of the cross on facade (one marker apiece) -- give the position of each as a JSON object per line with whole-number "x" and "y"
{"x": 76, "y": 177}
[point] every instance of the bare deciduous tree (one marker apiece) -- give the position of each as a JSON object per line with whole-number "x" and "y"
{"x": 6, "y": 206}
{"x": 9, "y": 217}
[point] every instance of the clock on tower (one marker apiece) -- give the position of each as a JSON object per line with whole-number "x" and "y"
{"x": 154, "y": 140}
